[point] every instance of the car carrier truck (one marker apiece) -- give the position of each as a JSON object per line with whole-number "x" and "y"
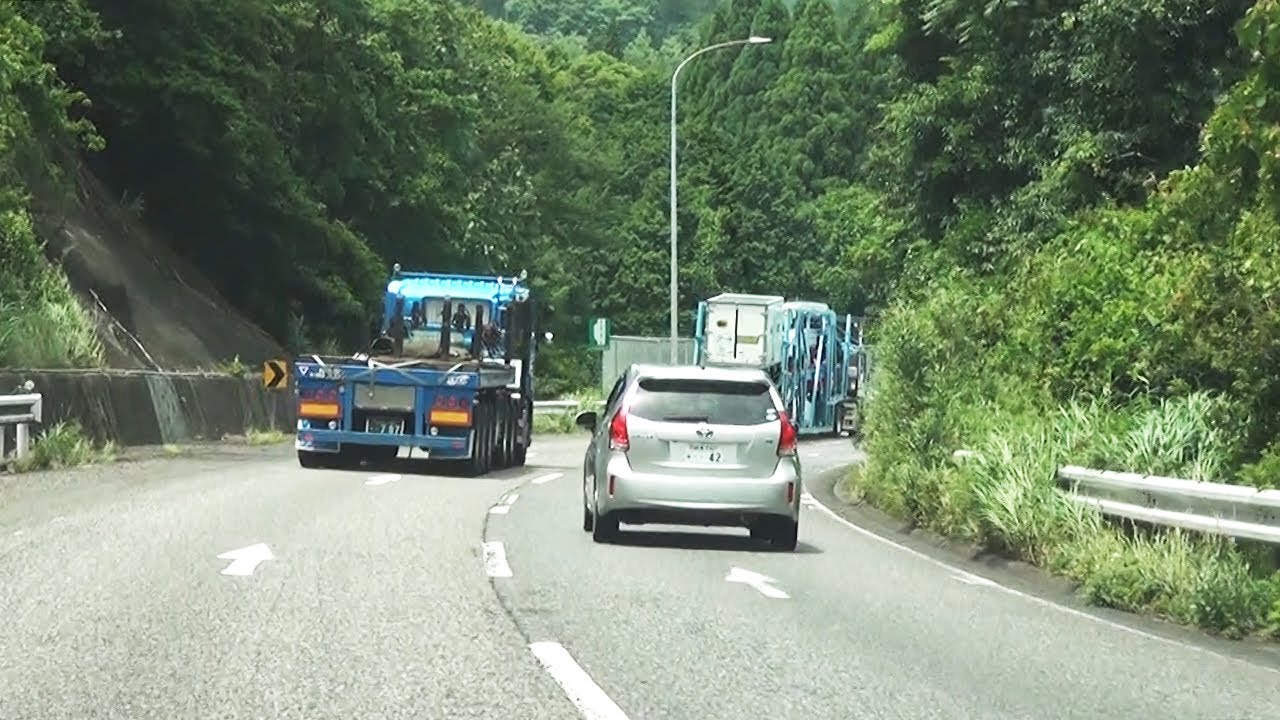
{"x": 810, "y": 354}
{"x": 449, "y": 373}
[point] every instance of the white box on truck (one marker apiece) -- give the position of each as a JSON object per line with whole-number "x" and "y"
{"x": 745, "y": 330}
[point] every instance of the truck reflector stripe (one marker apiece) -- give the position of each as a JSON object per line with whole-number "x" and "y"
{"x": 450, "y": 417}
{"x": 319, "y": 410}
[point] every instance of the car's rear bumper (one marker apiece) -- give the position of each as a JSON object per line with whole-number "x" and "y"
{"x": 709, "y": 501}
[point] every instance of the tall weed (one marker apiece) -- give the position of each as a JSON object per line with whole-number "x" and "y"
{"x": 51, "y": 330}
{"x": 936, "y": 391}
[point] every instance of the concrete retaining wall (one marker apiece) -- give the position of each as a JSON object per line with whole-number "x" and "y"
{"x": 153, "y": 408}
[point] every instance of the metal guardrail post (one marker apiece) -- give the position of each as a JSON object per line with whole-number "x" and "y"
{"x": 20, "y": 411}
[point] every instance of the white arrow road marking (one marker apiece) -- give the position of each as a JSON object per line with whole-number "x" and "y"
{"x": 247, "y": 559}
{"x": 495, "y": 560}
{"x": 590, "y": 700}
{"x": 382, "y": 479}
{"x": 762, "y": 583}
{"x": 504, "y": 507}
{"x": 542, "y": 479}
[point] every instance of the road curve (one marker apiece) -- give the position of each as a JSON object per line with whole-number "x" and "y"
{"x": 372, "y": 595}
{"x": 851, "y": 626}
{"x": 374, "y": 605}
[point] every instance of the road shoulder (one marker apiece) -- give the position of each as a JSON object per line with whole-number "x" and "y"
{"x": 1021, "y": 577}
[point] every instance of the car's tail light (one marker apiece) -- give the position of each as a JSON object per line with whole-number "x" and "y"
{"x": 786, "y": 435}
{"x": 618, "y": 437}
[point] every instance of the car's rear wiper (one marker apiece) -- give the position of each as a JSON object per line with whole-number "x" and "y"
{"x": 686, "y": 418}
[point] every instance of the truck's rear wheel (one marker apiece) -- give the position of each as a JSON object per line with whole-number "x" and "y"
{"x": 502, "y": 444}
{"x": 520, "y": 450}
{"x": 511, "y": 421}
{"x": 477, "y": 464}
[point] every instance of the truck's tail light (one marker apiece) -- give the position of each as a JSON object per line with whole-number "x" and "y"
{"x": 450, "y": 411}
{"x": 312, "y": 409}
{"x": 786, "y": 435}
{"x": 618, "y": 437}
{"x": 454, "y": 418}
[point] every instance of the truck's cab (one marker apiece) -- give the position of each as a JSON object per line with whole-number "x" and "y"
{"x": 439, "y": 315}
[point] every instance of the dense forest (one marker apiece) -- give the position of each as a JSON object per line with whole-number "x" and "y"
{"x": 1062, "y": 217}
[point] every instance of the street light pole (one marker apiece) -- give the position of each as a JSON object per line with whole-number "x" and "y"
{"x": 675, "y": 303}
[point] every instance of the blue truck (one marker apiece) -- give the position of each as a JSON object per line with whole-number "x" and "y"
{"x": 811, "y": 353}
{"x": 449, "y": 374}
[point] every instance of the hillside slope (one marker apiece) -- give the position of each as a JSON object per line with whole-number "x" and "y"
{"x": 152, "y": 309}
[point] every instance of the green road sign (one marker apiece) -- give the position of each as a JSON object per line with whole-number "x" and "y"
{"x": 599, "y": 330}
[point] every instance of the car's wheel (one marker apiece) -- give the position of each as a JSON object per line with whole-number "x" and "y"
{"x": 786, "y": 536}
{"x": 588, "y": 520}
{"x": 606, "y": 528}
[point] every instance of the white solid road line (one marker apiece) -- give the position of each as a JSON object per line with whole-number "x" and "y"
{"x": 495, "y": 560}
{"x": 382, "y": 479}
{"x": 969, "y": 578}
{"x": 582, "y": 691}
{"x": 546, "y": 478}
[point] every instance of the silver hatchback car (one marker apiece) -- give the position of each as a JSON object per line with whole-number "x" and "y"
{"x": 689, "y": 445}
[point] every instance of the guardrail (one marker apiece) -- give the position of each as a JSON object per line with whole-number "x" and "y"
{"x": 19, "y": 411}
{"x": 1233, "y": 510}
{"x": 1236, "y": 511}
{"x": 545, "y": 407}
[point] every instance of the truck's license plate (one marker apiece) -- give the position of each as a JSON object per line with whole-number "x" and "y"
{"x": 385, "y": 426}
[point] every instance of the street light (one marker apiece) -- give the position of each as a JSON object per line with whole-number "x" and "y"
{"x": 675, "y": 309}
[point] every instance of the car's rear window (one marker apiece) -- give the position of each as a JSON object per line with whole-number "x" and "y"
{"x": 718, "y": 402}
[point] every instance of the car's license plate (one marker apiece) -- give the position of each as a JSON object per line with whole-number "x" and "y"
{"x": 703, "y": 454}
{"x": 385, "y": 426}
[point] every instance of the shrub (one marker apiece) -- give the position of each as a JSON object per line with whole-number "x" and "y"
{"x": 61, "y": 446}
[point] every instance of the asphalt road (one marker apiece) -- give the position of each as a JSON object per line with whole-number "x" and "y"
{"x": 410, "y": 595}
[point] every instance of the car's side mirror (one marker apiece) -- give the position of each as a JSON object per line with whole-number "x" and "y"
{"x": 587, "y": 420}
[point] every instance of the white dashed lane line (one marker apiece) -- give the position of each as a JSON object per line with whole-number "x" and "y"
{"x": 585, "y": 694}
{"x": 504, "y": 506}
{"x": 495, "y": 560}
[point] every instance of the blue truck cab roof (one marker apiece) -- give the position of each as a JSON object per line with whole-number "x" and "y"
{"x": 430, "y": 290}
{"x": 419, "y": 286}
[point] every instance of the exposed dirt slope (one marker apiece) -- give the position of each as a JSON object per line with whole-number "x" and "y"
{"x": 153, "y": 309}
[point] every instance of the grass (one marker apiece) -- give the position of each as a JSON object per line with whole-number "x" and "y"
{"x": 267, "y": 437}
{"x": 50, "y": 331}
{"x": 235, "y": 368}
{"x": 1005, "y": 498}
{"x": 63, "y": 445}
{"x": 561, "y": 423}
